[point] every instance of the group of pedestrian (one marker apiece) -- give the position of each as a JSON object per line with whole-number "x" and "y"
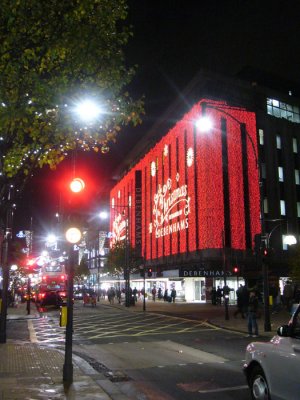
{"x": 218, "y": 294}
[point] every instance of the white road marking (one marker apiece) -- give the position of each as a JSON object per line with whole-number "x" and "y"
{"x": 227, "y": 389}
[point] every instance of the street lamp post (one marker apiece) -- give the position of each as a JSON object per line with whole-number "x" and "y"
{"x": 73, "y": 236}
{"x": 5, "y": 280}
{"x": 5, "y": 267}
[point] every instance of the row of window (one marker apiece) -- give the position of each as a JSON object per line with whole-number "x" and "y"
{"x": 278, "y": 141}
{"x": 279, "y": 109}
{"x": 282, "y": 207}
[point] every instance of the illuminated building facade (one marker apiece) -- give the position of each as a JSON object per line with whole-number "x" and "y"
{"x": 193, "y": 199}
{"x": 191, "y": 203}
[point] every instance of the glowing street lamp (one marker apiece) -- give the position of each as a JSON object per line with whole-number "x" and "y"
{"x": 87, "y": 110}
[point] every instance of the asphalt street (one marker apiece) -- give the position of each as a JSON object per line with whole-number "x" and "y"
{"x": 162, "y": 356}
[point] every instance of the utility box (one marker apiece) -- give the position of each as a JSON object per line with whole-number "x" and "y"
{"x": 63, "y": 317}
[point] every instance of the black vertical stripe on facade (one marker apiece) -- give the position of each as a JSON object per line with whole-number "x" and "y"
{"x": 156, "y": 186}
{"x": 177, "y": 171}
{"x": 150, "y": 212}
{"x": 170, "y": 175}
{"x": 163, "y": 182}
{"x": 246, "y": 186}
{"x": 227, "y": 226}
{"x": 186, "y": 181}
{"x": 196, "y": 187}
{"x": 145, "y": 213}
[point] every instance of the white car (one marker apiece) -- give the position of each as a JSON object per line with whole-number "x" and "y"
{"x": 273, "y": 368}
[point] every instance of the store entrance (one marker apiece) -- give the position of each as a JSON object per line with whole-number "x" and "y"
{"x": 199, "y": 290}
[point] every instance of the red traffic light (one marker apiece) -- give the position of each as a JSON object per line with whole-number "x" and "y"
{"x": 235, "y": 270}
{"x": 77, "y": 185}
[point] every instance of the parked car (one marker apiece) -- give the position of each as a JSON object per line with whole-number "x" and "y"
{"x": 272, "y": 369}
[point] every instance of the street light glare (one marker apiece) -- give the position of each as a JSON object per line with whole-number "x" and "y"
{"x": 103, "y": 214}
{"x": 51, "y": 238}
{"x": 88, "y": 111}
{"x": 204, "y": 124}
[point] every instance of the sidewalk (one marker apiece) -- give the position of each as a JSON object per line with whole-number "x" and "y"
{"x": 33, "y": 371}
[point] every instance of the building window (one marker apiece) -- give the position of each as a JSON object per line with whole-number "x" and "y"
{"x": 295, "y": 145}
{"x": 261, "y": 136}
{"x": 263, "y": 170}
{"x": 298, "y": 209}
{"x": 282, "y": 207}
{"x": 266, "y": 207}
{"x": 297, "y": 177}
{"x": 283, "y": 110}
{"x": 284, "y": 245}
{"x": 280, "y": 174}
{"x": 278, "y": 142}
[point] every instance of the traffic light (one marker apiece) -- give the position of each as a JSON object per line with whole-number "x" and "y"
{"x": 75, "y": 201}
{"x": 149, "y": 272}
{"x": 77, "y": 185}
{"x": 235, "y": 270}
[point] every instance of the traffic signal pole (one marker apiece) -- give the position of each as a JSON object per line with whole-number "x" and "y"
{"x": 68, "y": 365}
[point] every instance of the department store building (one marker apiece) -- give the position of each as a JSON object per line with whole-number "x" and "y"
{"x": 192, "y": 202}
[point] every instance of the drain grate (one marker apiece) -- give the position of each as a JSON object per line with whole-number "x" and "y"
{"x": 114, "y": 376}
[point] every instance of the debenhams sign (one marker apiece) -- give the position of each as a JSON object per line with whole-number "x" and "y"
{"x": 202, "y": 272}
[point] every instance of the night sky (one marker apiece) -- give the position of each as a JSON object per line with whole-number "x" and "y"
{"x": 172, "y": 40}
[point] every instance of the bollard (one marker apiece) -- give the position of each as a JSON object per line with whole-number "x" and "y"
{"x": 63, "y": 316}
{"x": 270, "y": 300}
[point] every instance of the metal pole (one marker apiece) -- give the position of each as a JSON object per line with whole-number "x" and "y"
{"x": 28, "y": 296}
{"x": 68, "y": 366}
{"x": 127, "y": 267}
{"x": 144, "y": 299}
{"x": 5, "y": 280}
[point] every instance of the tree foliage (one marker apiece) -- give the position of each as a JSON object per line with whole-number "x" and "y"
{"x": 116, "y": 260}
{"x": 52, "y": 55}
{"x": 81, "y": 271}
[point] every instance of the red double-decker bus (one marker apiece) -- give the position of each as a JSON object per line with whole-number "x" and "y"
{"x": 52, "y": 286}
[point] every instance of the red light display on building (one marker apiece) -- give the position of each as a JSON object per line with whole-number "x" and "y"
{"x": 198, "y": 189}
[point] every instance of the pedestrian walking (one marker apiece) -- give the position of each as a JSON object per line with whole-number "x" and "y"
{"x": 252, "y": 314}
{"x": 240, "y": 302}
{"x": 173, "y": 295}
{"x": 166, "y": 295}
{"x": 213, "y": 294}
{"x": 153, "y": 293}
{"x": 219, "y": 295}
